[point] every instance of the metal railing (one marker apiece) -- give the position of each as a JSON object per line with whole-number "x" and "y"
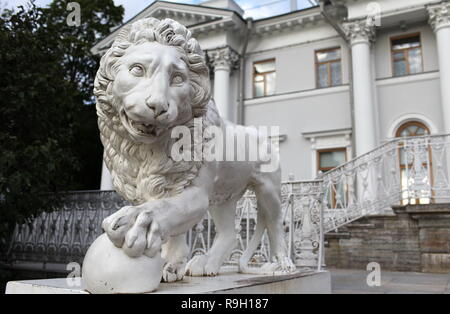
{"x": 401, "y": 171}
{"x": 302, "y": 210}
{"x": 411, "y": 170}
{"x": 63, "y": 236}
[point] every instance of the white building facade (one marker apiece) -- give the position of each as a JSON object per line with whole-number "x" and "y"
{"x": 339, "y": 79}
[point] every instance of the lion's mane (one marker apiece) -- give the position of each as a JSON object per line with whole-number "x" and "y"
{"x": 142, "y": 172}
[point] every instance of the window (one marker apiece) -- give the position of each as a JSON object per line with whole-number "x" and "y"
{"x": 406, "y": 55}
{"x": 264, "y": 76}
{"x": 409, "y": 162}
{"x": 328, "y": 68}
{"x": 327, "y": 160}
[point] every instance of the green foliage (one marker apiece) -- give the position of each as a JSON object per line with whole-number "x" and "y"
{"x": 49, "y": 140}
{"x": 98, "y": 17}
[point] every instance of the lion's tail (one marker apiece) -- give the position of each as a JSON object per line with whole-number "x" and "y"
{"x": 253, "y": 245}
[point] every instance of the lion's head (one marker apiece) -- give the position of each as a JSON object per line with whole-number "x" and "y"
{"x": 153, "y": 78}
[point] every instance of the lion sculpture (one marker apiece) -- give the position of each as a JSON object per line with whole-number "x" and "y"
{"x": 153, "y": 79}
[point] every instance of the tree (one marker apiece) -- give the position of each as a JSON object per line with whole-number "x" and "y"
{"x": 48, "y": 126}
{"x": 97, "y": 19}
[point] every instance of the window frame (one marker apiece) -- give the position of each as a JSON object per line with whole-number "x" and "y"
{"x": 408, "y": 68}
{"x": 264, "y": 74}
{"x": 328, "y": 63}
{"x": 329, "y": 150}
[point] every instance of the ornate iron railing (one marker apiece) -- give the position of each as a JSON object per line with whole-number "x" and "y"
{"x": 301, "y": 208}
{"x": 405, "y": 170}
{"x": 63, "y": 236}
{"x": 402, "y": 171}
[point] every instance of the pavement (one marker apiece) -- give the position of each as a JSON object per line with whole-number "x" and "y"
{"x": 344, "y": 281}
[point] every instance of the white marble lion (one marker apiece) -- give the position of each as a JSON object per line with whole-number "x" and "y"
{"x": 153, "y": 79}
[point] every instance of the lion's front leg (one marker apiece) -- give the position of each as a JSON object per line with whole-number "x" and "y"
{"x": 143, "y": 229}
{"x": 175, "y": 252}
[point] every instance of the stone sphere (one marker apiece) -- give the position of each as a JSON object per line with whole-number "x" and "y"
{"x": 108, "y": 270}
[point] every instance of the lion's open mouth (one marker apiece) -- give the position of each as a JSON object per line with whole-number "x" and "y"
{"x": 140, "y": 129}
{"x": 144, "y": 129}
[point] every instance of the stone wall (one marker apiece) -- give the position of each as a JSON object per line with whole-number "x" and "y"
{"x": 415, "y": 238}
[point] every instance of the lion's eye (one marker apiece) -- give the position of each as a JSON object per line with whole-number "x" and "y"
{"x": 137, "y": 70}
{"x": 177, "y": 79}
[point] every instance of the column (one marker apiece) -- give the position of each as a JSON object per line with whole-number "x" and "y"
{"x": 440, "y": 22}
{"x": 223, "y": 61}
{"x": 361, "y": 35}
{"x": 106, "y": 183}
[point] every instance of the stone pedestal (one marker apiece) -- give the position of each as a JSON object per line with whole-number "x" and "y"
{"x": 433, "y": 222}
{"x": 229, "y": 282}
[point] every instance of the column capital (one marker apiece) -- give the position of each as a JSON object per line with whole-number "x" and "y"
{"x": 360, "y": 31}
{"x": 224, "y": 58}
{"x": 439, "y": 15}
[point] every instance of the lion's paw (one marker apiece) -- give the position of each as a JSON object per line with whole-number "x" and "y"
{"x": 135, "y": 230}
{"x": 173, "y": 272}
{"x": 281, "y": 265}
{"x": 118, "y": 224}
{"x": 201, "y": 265}
{"x": 196, "y": 266}
{"x": 211, "y": 270}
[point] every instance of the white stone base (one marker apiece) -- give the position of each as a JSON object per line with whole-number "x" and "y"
{"x": 227, "y": 282}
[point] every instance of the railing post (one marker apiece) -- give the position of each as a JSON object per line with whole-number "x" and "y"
{"x": 306, "y": 257}
{"x": 321, "y": 230}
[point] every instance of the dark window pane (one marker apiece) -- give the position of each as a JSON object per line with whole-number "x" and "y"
{"x": 336, "y": 75}
{"x": 421, "y": 132}
{"x": 322, "y": 73}
{"x": 400, "y": 68}
{"x": 399, "y": 56}
{"x": 405, "y": 133}
{"x": 331, "y": 159}
{"x": 404, "y": 43}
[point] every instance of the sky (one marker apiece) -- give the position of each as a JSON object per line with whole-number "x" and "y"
{"x": 253, "y": 8}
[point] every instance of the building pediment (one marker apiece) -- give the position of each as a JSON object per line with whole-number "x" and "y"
{"x": 197, "y": 18}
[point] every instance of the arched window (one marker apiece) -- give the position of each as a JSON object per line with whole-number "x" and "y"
{"x": 410, "y": 165}
{"x": 412, "y": 128}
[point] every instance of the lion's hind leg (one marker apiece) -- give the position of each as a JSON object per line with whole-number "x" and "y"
{"x": 270, "y": 212}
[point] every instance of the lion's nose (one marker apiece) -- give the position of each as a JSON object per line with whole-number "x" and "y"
{"x": 158, "y": 108}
